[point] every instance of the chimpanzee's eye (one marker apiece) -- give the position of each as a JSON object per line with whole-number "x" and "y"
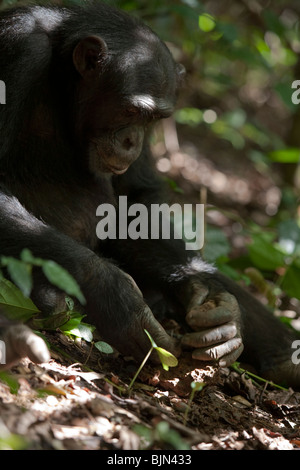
{"x": 133, "y": 111}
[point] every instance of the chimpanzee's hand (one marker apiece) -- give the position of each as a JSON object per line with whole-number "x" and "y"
{"x": 136, "y": 341}
{"x": 19, "y": 341}
{"x": 122, "y": 316}
{"x": 214, "y": 315}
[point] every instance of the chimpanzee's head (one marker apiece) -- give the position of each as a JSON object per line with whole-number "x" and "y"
{"x": 124, "y": 84}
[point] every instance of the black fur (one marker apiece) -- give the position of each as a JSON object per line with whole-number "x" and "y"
{"x": 72, "y": 124}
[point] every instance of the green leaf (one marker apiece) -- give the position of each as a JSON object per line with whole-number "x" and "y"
{"x": 197, "y": 386}
{"x": 189, "y": 116}
{"x": 13, "y": 442}
{"x": 184, "y": 11}
{"x": 104, "y": 347}
{"x": 28, "y": 257}
{"x": 11, "y": 381}
{"x": 15, "y": 304}
{"x": 20, "y": 274}
{"x": 285, "y": 93}
{"x": 288, "y": 155}
{"x": 228, "y": 270}
{"x": 229, "y": 31}
{"x": 273, "y": 22}
{"x": 61, "y": 278}
{"x": 290, "y": 281}
{"x": 264, "y": 255}
{"x": 170, "y": 436}
{"x": 51, "y": 322}
{"x": 56, "y": 274}
{"x": 167, "y": 359}
{"x": 143, "y": 431}
{"x": 207, "y": 22}
{"x": 173, "y": 185}
{"x": 83, "y": 331}
{"x": 73, "y": 322}
{"x": 216, "y": 244}
{"x": 236, "y": 118}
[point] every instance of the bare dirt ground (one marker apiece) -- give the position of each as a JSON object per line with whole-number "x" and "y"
{"x": 80, "y": 401}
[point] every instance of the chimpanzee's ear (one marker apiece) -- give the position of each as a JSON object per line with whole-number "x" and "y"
{"x": 89, "y": 54}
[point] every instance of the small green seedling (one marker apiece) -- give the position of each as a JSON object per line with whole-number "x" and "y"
{"x": 254, "y": 378}
{"x": 196, "y": 387}
{"x": 167, "y": 359}
{"x": 160, "y": 433}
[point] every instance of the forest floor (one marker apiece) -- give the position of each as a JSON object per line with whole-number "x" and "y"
{"x": 80, "y": 399}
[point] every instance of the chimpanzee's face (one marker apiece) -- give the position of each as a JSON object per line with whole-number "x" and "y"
{"x": 117, "y": 104}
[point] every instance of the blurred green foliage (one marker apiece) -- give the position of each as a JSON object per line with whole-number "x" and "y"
{"x": 239, "y": 57}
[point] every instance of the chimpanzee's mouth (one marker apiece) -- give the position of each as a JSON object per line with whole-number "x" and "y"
{"x": 117, "y": 170}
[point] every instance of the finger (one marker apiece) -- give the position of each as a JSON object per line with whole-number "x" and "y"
{"x": 211, "y": 336}
{"x": 160, "y": 336}
{"x": 139, "y": 347}
{"x": 218, "y": 352}
{"x": 135, "y": 348}
{"x": 136, "y": 343}
{"x": 232, "y": 357}
{"x": 199, "y": 295}
{"x": 21, "y": 342}
{"x": 36, "y": 349}
{"x": 200, "y": 317}
{"x": 226, "y": 300}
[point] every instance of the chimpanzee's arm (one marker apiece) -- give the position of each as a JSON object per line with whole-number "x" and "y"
{"x": 210, "y": 309}
{"x": 113, "y": 301}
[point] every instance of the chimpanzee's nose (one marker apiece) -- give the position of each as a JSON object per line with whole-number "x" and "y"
{"x": 130, "y": 137}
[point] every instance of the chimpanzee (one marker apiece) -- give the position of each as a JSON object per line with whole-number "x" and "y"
{"x": 84, "y": 86}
